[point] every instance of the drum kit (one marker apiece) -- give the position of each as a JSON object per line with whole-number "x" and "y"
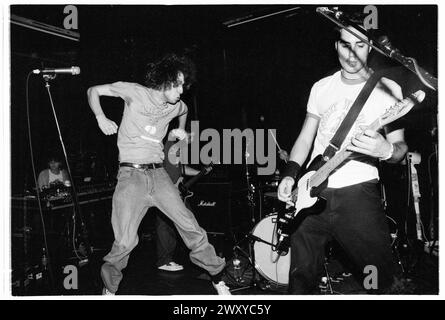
{"x": 261, "y": 265}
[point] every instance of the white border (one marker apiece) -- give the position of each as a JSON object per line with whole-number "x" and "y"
{"x": 5, "y": 288}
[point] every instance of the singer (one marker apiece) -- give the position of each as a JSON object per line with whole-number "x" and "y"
{"x": 142, "y": 180}
{"x": 353, "y": 214}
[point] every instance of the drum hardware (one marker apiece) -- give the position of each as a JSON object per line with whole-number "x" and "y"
{"x": 250, "y": 257}
{"x": 327, "y": 280}
{"x": 270, "y": 270}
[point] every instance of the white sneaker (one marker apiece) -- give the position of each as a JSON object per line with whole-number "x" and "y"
{"x": 171, "y": 266}
{"x": 222, "y": 289}
{"x": 106, "y": 292}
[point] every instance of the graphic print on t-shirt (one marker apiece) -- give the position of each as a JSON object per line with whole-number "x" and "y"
{"x": 151, "y": 130}
{"x": 332, "y": 119}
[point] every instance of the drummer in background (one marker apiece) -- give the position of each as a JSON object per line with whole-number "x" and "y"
{"x": 283, "y": 155}
{"x": 53, "y": 175}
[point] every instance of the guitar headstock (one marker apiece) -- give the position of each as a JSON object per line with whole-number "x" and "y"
{"x": 402, "y": 107}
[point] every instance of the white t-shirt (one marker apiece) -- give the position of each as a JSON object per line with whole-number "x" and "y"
{"x": 55, "y": 177}
{"x": 329, "y": 101}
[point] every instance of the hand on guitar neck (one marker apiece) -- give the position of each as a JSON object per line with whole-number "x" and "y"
{"x": 184, "y": 187}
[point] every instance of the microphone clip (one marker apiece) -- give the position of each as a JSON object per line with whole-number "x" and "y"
{"x": 48, "y": 76}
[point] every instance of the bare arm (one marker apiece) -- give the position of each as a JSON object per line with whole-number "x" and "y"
{"x": 106, "y": 125}
{"x": 299, "y": 154}
{"x": 182, "y": 121}
{"x": 189, "y": 171}
{"x": 41, "y": 180}
{"x": 180, "y": 132}
{"x": 302, "y": 146}
{"x": 397, "y": 138}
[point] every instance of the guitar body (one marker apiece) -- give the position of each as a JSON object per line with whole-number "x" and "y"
{"x": 307, "y": 199}
{"x": 307, "y": 202}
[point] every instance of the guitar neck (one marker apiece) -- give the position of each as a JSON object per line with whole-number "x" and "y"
{"x": 195, "y": 178}
{"x": 323, "y": 173}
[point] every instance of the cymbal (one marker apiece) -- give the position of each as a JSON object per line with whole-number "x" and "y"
{"x": 272, "y": 184}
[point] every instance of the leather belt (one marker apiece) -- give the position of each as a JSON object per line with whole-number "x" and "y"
{"x": 144, "y": 166}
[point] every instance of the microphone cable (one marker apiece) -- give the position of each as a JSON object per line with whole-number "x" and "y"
{"x": 50, "y": 269}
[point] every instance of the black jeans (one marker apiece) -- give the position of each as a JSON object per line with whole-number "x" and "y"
{"x": 165, "y": 239}
{"x": 354, "y": 217}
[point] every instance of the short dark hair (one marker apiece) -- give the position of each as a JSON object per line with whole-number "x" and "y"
{"x": 163, "y": 74}
{"x": 54, "y": 158}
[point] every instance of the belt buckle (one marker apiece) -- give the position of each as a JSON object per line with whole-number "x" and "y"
{"x": 147, "y": 166}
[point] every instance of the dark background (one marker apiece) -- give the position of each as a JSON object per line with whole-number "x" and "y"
{"x": 259, "y": 70}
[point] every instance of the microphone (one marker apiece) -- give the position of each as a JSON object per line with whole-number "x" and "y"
{"x": 333, "y": 10}
{"x": 73, "y": 71}
{"x": 282, "y": 245}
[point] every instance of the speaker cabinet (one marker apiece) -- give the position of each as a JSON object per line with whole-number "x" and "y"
{"x": 211, "y": 205}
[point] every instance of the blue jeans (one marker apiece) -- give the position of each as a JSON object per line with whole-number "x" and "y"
{"x": 136, "y": 191}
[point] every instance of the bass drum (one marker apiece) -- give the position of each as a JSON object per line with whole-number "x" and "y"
{"x": 268, "y": 263}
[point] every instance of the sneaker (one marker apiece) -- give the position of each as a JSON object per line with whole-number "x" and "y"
{"x": 106, "y": 292}
{"x": 221, "y": 288}
{"x": 171, "y": 266}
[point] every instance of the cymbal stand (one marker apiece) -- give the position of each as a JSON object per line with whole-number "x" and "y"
{"x": 250, "y": 256}
{"x": 249, "y": 237}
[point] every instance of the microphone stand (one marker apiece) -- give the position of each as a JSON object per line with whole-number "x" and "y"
{"x": 384, "y": 47}
{"x": 76, "y": 206}
{"x": 250, "y": 255}
{"x": 250, "y": 188}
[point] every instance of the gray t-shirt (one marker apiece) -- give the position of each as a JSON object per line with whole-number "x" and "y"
{"x": 144, "y": 123}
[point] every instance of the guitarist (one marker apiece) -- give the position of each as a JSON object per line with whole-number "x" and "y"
{"x": 165, "y": 231}
{"x": 353, "y": 214}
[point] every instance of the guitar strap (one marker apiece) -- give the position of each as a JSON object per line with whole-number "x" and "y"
{"x": 348, "y": 121}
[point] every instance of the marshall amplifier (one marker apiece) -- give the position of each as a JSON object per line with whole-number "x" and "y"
{"x": 211, "y": 205}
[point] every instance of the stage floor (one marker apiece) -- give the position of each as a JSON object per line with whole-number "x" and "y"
{"x": 141, "y": 277}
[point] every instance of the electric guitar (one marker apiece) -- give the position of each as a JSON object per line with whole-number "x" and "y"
{"x": 306, "y": 198}
{"x": 184, "y": 187}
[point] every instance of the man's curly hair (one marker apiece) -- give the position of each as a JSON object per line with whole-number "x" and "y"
{"x": 163, "y": 74}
